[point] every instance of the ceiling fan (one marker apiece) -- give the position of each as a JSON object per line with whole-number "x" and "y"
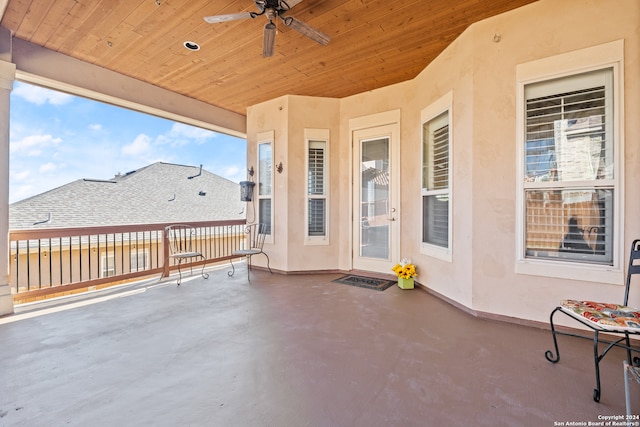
{"x": 272, "y": 9}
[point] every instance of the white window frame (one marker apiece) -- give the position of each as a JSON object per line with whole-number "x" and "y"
{"x": 608, "y": 55}
{"x": 266, "y": 138}
{"x": 318, "y": 137}
{"x": 442, "y": 105}
{"x": 107, "y": 260}
{"x": 136, "y": 254}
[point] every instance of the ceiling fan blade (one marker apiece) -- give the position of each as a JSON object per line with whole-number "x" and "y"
{"x": 288, "y": 4}
{"x": 229, "y": 17}
{"x": 307, "y": 30}
{"x": 269, "y": 39}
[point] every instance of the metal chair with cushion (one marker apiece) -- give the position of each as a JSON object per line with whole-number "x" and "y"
{"x": 254, "y": 244}
{"x": 618, "y": 320}
{"x": 183, "y": 245}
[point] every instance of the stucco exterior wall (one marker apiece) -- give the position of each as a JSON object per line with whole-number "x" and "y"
{"x": 312, "y": 113}
{"x": 480, "y": 72}
{"x": 271, "y": 116}
{"x": 540, "y": 30}
{"x": 288, "y": 117}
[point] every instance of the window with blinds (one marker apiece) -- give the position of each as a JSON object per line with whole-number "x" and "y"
{"x": 316, "y": 195}
{"x": 435, "y": 181}
{"x": 569, "y": 168}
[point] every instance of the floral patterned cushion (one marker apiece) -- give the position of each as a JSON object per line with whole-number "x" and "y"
{"x": 608, "y": 316}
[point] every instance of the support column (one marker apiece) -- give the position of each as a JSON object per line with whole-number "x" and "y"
{"x": 7, "y": 77}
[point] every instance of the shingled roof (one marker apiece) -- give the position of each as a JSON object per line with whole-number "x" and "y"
{"x": 158, "y": 193}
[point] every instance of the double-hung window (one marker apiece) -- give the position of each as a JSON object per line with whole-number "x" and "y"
{"x": 436, "y": 179}
{"x": 265, "y": 180}
{"x": 317, "y": 206}
{"x": 138, "y": 259}
{"x": 569, "y": 171}
{"x": 107, "y": 265}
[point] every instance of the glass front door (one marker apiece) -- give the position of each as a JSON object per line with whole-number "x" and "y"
{"x": 374, "y": 198}
{"x": 375, "y": 221}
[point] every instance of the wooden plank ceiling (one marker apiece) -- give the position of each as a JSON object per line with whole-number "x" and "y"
{"x": 374, "y": 43}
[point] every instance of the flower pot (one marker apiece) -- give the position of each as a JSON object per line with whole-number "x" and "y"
{"x": 405, "y": 283}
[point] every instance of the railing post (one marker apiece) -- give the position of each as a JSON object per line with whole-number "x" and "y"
{"x": 165, "y": 253}
{"x": 7, "y": 76}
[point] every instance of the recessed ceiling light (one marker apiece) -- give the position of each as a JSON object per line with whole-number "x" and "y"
{"x": 191, "y": 45}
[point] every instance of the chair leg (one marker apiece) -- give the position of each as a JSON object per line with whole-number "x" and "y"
{"x": 549, "y": 354}
{"x": 179, "y": 272}
{"x": 249, "y": 268}
{"x": 268, "y": 262}
{"x": 233, "y": 268}
{"x": 596, "y": 359}
{"x": 626, "y": 388}
{"x": 628, "y": 343}
{"x": 204, "y": 275}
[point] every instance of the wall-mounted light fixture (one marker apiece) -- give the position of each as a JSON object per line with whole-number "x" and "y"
{"x": 251, "y": 171}
{"x": 246, "y": 191}
{"x": 279, "y": 167}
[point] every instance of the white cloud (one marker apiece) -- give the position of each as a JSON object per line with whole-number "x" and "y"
{"x": 233, "y": 173}
{"x": 20, "y": 176}
{"x": 20, "y": 192}
{"x": 39, "y": 95}
{"x": 47, "y": 167}
{"x": 181, "y": 135}
{"x": 139, "y": 146}
{"x": 95, "y": 127}
{"x": 32, "y": 145}
{"x": 230, "y": 171}
{"x": 192, "y": 132}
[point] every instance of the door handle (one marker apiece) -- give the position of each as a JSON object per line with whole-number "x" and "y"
{"x": 392, "y": 218}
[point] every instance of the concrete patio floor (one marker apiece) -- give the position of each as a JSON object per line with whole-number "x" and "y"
{"x": 288, "y": 350}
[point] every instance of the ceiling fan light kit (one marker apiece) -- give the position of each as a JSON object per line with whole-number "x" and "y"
{"x": 273, "y": 9}
{"x": 269, "y": 39}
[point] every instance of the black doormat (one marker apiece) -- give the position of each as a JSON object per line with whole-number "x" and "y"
{"x": 365, "y": 282}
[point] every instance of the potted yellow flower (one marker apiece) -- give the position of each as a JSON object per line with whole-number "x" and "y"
{"x": 406, "y": 273}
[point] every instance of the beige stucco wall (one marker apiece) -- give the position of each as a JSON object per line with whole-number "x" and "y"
{"x": 267, "y": 117}
{"x": 288, "y": 117}
{"x": 481, "y": 74}
{"x": 312, "y": 113}
{"x": 540, "y": 30}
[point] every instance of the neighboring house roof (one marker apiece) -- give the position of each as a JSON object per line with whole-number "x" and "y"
{"x": 158, "y": 193}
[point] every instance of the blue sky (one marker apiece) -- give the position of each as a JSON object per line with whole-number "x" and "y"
{"x": 56, "y": 138}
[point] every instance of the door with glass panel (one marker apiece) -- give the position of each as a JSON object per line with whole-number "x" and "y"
{"x": 375, "y": 199}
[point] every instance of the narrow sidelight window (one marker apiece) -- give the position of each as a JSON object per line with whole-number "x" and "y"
{"x": 265, "y": 186}
{"x": 435, "y": 181}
